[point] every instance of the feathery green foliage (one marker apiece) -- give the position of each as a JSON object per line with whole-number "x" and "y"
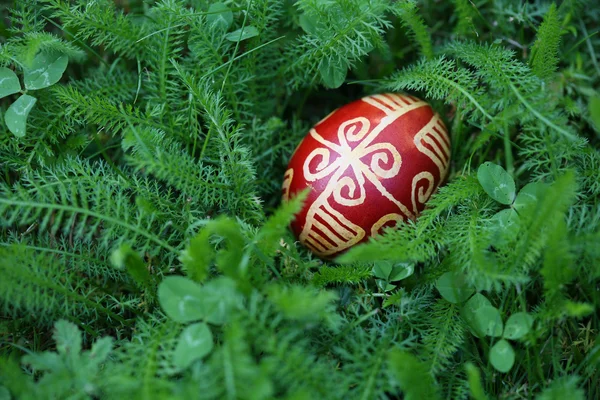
{"x": 544, "y": 54}
{"x": 412, "y": 376}
{"x": 444, "y": 336}
{"x": 408, "y": 13}
{"x": 466, "y": 14}
{"x": 145, "y": 252}
{"x": 336, "y": 35}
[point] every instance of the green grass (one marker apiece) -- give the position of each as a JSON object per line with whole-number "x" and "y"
{"x": 145, "y": 252}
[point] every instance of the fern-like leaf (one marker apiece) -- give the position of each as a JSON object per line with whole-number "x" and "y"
{"x": 444, "y": 337}
{"x": 466, "y": 13}
{"x": 408, "y": 13}
{"x": 61, "y": 202}
{"x": 442, "y": 79}
{"x": 544, "y": 54}
{"x": 102, "y": 24}
{"x": 341, "y": 34}
{"x": 149, "y": 151}
{"x": 37, "y": 285}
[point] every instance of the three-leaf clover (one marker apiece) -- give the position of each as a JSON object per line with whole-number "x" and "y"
{"x": 387, "y": 272}
{"x": 45, "y": 70}
{"x": 244, "y": 33}
{"x": 483, "y": 322}
{"x": 16, "y": 115}
{"x": 9, "y": 82}
{"x": 502, "y": 355}
{"x": 500, "y": 186}
{"x": 195, "y": 342}
{"x": 219, "y": 16}
{"x": 184, "y": 300}
{"x": 333, "y": 73}
{"x": 483, "y": 319}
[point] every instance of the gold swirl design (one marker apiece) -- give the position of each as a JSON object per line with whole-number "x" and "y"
{"x": 350, "y": 184}
{"x": 322, "y": 169}
{"x": 422, "y": 194}
{"x": 327, "y": 231}
{"x": 382, "y": 158}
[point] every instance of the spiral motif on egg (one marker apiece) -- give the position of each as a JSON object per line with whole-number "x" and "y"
{"x": 419, "y": 192}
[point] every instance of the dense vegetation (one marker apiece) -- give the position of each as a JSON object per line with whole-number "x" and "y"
{"x": 144, "y": 249}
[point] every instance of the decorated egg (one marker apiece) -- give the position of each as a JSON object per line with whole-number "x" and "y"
{"x": 370, "y": 164}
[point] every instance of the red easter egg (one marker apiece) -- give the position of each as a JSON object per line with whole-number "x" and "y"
{"x": 370, "y": 164}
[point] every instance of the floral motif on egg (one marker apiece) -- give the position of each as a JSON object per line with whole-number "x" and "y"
{"x": 370, "y": 164}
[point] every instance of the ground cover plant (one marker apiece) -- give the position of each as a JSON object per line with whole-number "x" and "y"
{"x": 144, "y": 249}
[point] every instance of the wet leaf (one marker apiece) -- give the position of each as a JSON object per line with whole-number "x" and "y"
{"x": 242, "y": 34}
{"x": 9, "y": 82}
{"x": 219, "y": 16}
{"x": 46, "y": 70}
{"x": 518, "y": 325}
{"x": 16, "y": 115}
{"x": 496, "y": 182}
{"x": 453, "y": 286}
{"x": 502, "y": 356}
{"x": 195, "y": 342}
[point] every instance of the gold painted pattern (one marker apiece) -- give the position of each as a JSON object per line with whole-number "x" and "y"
{"x": 422, "y": 193}
{"x": 433, "y": 141}
{"x": 390, "y": 103}
{"x": 377, "y": 226}
{"x": 287, "y": 181}
{"x": 329, "y": 230}
{"x": 326, "y": 231}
